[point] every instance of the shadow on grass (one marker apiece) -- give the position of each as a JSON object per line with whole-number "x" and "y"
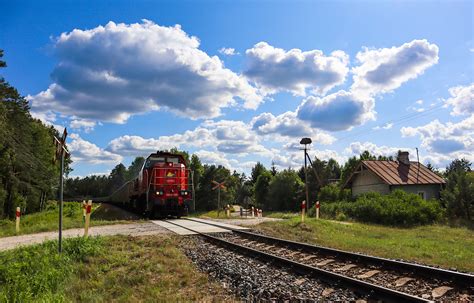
{"x": 109, "y": 212}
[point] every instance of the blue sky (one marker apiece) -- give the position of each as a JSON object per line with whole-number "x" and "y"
{"x": 130, "y": 77}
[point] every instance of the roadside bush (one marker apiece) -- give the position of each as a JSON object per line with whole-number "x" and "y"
{"x": 397, "y": 209}
{"x": 329, "y": 193}
{"x": 333, "y": 193}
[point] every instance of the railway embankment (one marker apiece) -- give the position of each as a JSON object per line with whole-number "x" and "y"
{"x": 106, "y": 269}
{"x": 434, "y": 245}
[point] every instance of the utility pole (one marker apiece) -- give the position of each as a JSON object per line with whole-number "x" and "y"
{"x": 194, "y": 192}
{"x": 60, "y": 153}
{"x": 218, "y": 186}
{"x": 306, "y": 141}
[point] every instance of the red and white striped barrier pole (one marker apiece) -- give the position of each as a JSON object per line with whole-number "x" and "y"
{"x": 18, "y": 215}
{"x": 88, "y": 218}
{"x": 317, "y": 209}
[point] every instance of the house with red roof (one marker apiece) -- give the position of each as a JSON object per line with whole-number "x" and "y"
{"x": 384, "y": 176}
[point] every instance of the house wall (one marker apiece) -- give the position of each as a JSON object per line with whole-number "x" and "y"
{"x": 367, "y": 181}
{"x": 431, "y": 190}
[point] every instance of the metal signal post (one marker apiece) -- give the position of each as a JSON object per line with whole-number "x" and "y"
{"x": 60, "y": 152}
{"x": 305, "y": 142}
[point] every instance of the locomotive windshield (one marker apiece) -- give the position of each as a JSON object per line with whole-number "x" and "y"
{"x": 153, "y": 160}
{"x": 172, "y": 160}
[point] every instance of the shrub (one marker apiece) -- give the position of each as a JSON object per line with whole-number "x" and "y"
{"x": 329, "y": 193}
{"x": 397, "y": 209}
{"x": 333, "y": 193}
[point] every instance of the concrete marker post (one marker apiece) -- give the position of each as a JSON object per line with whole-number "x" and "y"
{"x": 18, "y": 215}
{"x": 252, "y": 212}
{"x": 317, "y": 209}
{"x": 88, "y": 218}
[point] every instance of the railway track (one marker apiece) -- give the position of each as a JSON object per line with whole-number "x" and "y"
{"x": 376, "y": 278}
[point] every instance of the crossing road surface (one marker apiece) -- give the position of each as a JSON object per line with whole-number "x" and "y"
{"x": 133, "y": 229}
{"x": 180, "y": 226}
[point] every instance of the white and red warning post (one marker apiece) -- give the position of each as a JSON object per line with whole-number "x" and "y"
{"x": 18, "y": 215}
{"x": 87, "y": 219}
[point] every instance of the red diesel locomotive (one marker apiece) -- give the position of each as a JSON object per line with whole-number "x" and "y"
{"x": 162, "y": 187}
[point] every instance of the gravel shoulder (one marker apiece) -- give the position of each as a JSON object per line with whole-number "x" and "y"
{"x": 134, "y": 229}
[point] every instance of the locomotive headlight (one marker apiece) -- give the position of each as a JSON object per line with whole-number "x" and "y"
{"x": 184, "y": 193}
{"x": 159, "y": 193}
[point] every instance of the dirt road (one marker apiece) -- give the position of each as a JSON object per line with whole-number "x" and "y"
{"x": 135, "y": 229}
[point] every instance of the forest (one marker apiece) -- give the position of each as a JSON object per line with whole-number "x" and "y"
{"x": 28, "y": 174}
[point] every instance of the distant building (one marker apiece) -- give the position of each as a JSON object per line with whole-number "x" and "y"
{"x": 385, "y": 176}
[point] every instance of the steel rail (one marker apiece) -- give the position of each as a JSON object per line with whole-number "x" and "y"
{"x": 459, "y": 278}
{"x": 358, "y": 286}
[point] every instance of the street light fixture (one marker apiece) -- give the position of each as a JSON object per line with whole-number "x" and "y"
{"x": 305, "y": 142}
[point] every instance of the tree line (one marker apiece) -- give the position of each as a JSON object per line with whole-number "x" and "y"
{"x": 267, "y": 188}
{"x": 28, "y": 175}
{"x": 283, "y": 190}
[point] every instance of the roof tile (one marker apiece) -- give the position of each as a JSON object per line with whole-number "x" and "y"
{"x": 396, "y": 173}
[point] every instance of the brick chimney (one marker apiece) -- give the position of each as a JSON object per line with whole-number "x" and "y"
{"x": 403, "y": 157}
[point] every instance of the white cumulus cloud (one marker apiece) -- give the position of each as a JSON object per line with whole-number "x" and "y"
{"x": 385, "y": 69}
{"x": 112, "y": 72}
{"x": 287, "y": 125}
{"x": 225, "y": 136}
{"x": 85, "y": 151}
{"x": 462, "y": 100}
{"x": 454, "y": 139}
{"x": 228, "y": 51}
{"x": 274, "y": 69}
{"x": 82, "y": 124}
{"x": 338, "y": 111}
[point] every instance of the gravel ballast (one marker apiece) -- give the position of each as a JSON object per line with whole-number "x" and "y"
{"x": 253, "y": 280}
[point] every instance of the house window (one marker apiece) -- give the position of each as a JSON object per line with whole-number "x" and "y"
{"x": 421, "y": 194}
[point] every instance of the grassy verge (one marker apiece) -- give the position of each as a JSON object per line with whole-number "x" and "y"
{"x": 141, "y": 269}
{"x": 113, "y": 269}
{"x": 435, "y": 245}
{"x": 281, "y": 215}
{"x": 213, "y": 214}
{"x": 48, "y": 220}
{"x": 38, "y": 274}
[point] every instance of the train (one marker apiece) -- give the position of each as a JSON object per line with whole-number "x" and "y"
{"x": 162, "y": 188}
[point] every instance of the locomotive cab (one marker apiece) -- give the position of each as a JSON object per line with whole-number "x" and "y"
{"x": 165, "y": 182}
{"x": 162, "y": 188}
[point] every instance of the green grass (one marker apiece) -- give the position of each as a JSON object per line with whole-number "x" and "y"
{"x": 281, "y": 215}
{"x": 142, "y": 269}
{"x": 432, "y": 244}
{"x": 38, "y": 273}
{"x": 109, "y": 269}
{"x": 48, "y": 220}
{"x": 213, "y": 214}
